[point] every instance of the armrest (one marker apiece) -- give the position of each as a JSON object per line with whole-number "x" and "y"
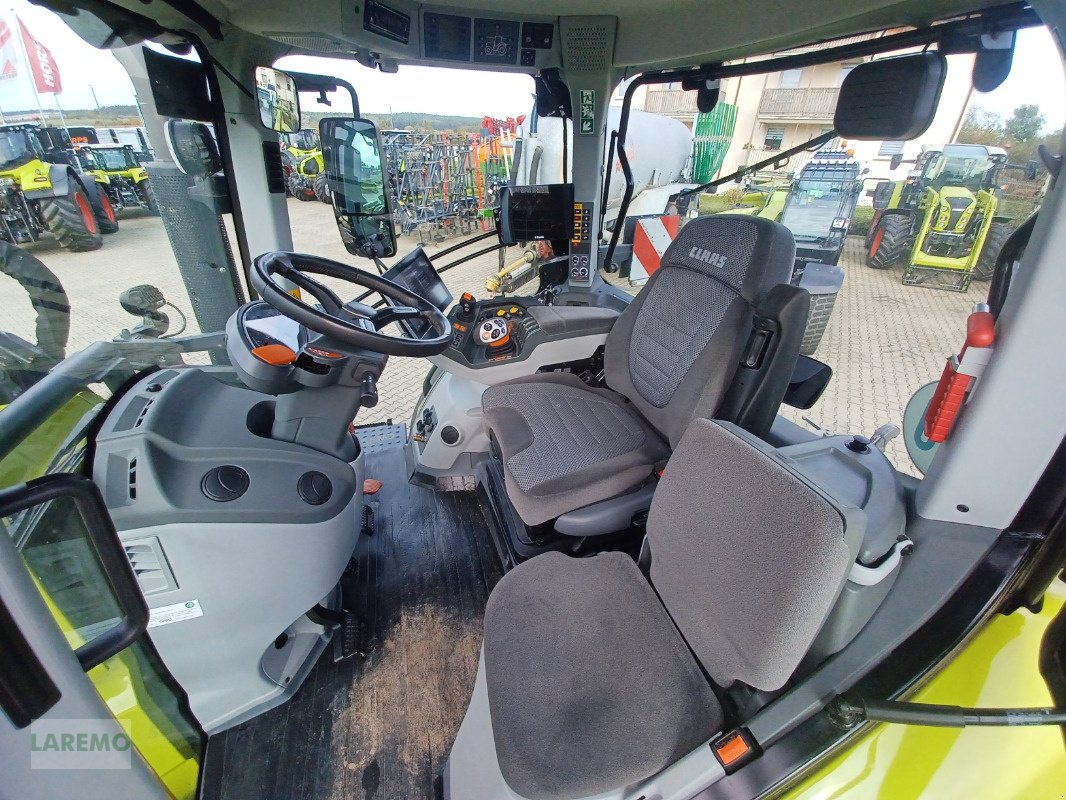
{"x": 573, "y": 320}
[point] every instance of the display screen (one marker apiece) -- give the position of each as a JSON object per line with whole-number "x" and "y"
{"x": 528, "y": 213}
{"x": 415, "y": 273}
{"x": 446, "y": 36}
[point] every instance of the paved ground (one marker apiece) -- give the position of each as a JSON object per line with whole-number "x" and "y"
{"x": 884, "y": 339}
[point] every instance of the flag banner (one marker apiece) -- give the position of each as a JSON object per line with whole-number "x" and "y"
{"x": 42, "y": 64}
{"x": 8, "y": 62}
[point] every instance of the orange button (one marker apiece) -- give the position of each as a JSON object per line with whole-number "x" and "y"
{"x": 732, "y": 749}
{"x": 276, "y": 354}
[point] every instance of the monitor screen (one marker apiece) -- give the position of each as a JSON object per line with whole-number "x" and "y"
{"x": 528, "y": 213}
{"x": 415, "y": 273}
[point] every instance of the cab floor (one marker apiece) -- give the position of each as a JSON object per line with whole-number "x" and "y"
{"x": 379, "y": 727}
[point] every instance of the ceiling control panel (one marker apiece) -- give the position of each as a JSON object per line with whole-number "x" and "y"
{"x": 446, "y": 36}
{"x": 386, "y": 21}
{"x": 581, "y": 265}
{"x": 495, "y": 41}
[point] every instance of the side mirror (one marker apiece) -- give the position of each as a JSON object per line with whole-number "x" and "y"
{"x": 895, "y": 161}
{"x": 808, "y": 381}
{"x": 279, "y": 100}
{"x": 193, "y": 147}
{"x": 355, "y": 169}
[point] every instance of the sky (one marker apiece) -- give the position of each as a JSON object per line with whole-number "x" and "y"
{"x": 1036, "y": 77}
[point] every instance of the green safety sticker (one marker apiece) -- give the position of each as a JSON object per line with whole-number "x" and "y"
{"x": 587, "y": 120}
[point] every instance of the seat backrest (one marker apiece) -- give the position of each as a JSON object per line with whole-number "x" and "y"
{"x": 674, "y": 350}
{"x": 746, "y": 554}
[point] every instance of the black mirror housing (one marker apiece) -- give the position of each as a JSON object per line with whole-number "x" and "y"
{"x": 893, "y": 98}
{"x": 356, "y": 171}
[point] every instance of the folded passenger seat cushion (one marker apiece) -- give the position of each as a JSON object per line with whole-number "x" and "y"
{"x": 590, "y": 685}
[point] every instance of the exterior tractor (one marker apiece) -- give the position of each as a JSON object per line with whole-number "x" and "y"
{"x": 38, "y": 196}
{"x": 120, "y": 174}
{"x": 816, "y": 206}
{"x": 941, "y": 220}
{"x": 301, "y": 158}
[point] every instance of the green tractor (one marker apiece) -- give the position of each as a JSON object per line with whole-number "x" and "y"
{"x": 301, "y": 158}
{"x": 38, "y": 196}
{"x": 118, "y": 171}
{"x": 941, "y": 221}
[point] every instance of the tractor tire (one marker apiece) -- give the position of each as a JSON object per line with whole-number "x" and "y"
{"x": 107, "y": 221}
{"x": 321, "y": 186}
{"x": 889, "y": 242}
{"x": 300, "y": 188}
{"x": 72, "y": 221}
{"x": 994, "y": 240}
{"x": 103, "y": 208}
{"x": 147, "y": 195}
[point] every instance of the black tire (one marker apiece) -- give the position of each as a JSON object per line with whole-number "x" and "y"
{"x": 321, "y": 186}
{"x": 994, "y": 240}
{"x": 147, "y": 195}
{"x": 71, "y": 220}
{"x": 300, "y": 188}
{"x": 103, "y": 208}
{"x": 889, "y": 242}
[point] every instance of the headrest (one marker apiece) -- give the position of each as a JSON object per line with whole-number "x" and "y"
{"x": 751, "y": 255}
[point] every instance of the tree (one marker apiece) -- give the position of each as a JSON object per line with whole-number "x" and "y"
{"x": 1025, "y": 123}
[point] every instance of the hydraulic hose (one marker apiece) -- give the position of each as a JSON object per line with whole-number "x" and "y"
{"x": 953, "y": 716}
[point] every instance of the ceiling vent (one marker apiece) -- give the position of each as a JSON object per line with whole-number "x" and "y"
{"x": 314, "y": 42}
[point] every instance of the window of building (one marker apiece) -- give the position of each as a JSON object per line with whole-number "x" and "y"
{"x": 790, "y": 78}
{"x": 774, "y": 138}
{"x": 843, "y": 73}
{"x": 890, "y": 148}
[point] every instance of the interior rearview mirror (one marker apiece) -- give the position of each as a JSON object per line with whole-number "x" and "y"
{"x": 279, "y": 100}
{"x": 809, "y": 379}
{"x": 866, "y": 110}
{"x": 355, "y": 170}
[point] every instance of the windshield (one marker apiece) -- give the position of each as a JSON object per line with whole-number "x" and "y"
{"x": 957, "y": 170}
{"x": 115, "y": 158}
{"x": 303, "y": 140}
{"x": 812, "y": 207}
{"x": 15, "y": 149}
{"x": 85, "y": 262}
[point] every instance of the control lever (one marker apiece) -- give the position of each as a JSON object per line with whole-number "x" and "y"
{"x": 883, "y": 435}
{"x": 368, "y": 397}
{"x": 466, "y": 306}
{"x": 822, "y": 431}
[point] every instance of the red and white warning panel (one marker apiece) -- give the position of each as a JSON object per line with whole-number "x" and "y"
{"x": 961, "y": 374}
{"x": 651, "y": 237}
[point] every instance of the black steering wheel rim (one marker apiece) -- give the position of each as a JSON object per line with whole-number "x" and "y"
{"x": 338, "y": 320}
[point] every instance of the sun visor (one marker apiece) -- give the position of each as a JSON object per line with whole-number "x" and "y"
{"x": 893, "y": 98}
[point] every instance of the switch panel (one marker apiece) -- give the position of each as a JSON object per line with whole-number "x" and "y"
{"x": 581, "y": 265}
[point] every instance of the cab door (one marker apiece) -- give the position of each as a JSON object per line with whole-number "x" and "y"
{"x": 86, "y": 708}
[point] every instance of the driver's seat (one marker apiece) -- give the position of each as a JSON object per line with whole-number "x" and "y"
{"x": 669, "y": 358}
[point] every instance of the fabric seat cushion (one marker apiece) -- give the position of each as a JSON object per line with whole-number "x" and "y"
{"x": 566, "y": 445}
{"x": 590, "y": 685}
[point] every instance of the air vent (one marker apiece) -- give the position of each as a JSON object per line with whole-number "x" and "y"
{"x": 274, "y": 171}
{"x": 587, "y": 47}
{"x": 143, "y": 414}
{"x": 132, "y": 477}
{"x": 315, "y": 42}
{"x": 150, "y": 565}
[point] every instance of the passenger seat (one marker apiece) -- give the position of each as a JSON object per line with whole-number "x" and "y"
{"x": 592, "y": 676}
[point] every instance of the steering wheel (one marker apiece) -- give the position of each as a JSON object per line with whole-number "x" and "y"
{"x": 353, "y": 324}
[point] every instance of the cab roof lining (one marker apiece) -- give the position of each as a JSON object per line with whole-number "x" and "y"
{"x": 661, "y": 34}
